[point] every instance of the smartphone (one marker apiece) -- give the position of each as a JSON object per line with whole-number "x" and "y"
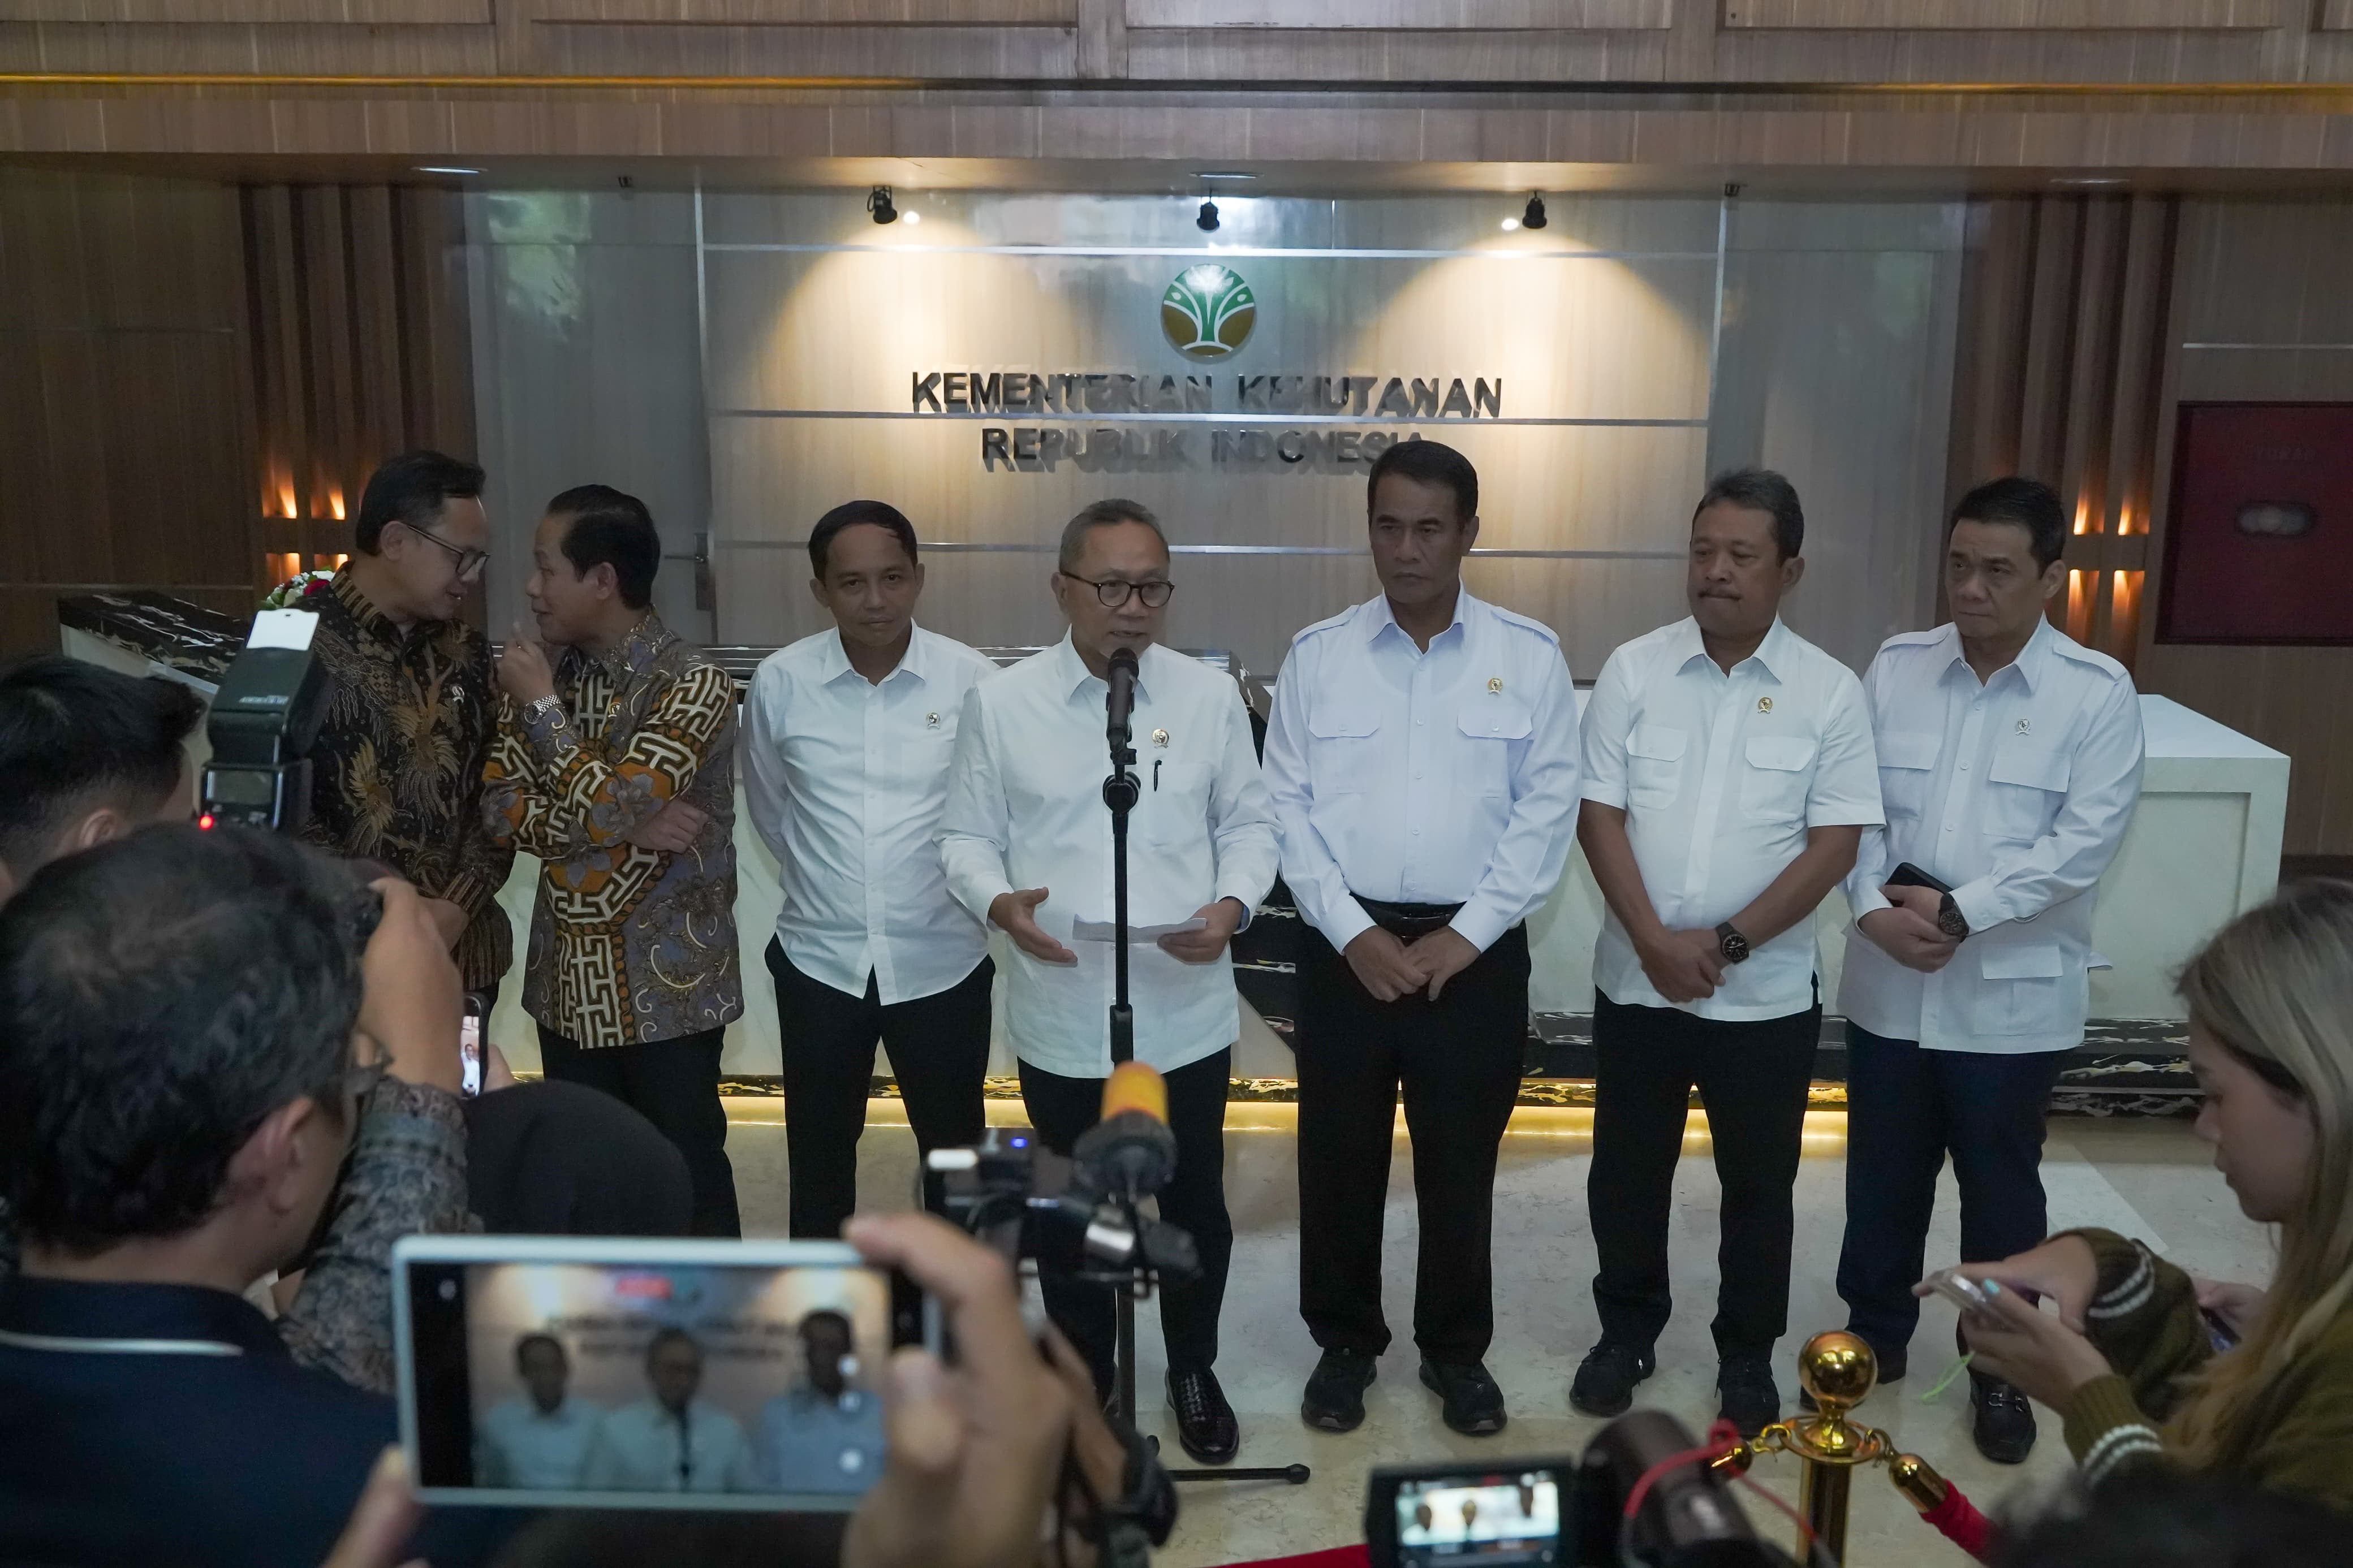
{"x": 469, "y": 1047}
{"x": 1961, "y": 1290}
{"x": 554, "y": 1372}
{"x": 1421, "y": 1515}
{"x": 1907, "y": 874}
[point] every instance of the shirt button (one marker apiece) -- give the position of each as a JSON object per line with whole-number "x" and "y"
{"x": 1416, "y": 833}
{"x": 1417, "y": 723}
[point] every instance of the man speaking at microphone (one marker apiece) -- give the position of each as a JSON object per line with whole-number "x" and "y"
{"x": 1027, "y": 845}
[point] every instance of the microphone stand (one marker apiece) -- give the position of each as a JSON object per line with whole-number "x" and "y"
{"x": 1121, "y": 791}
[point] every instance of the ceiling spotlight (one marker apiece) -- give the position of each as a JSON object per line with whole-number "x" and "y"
{"x": 878, "y": 202}
{"x": 1510, "y": 224}
{"x": 1208, "y": 221}
{"x": 444, "y": 169}
{"x": 912, "y": 215}
{"x": 1534, "y": 217}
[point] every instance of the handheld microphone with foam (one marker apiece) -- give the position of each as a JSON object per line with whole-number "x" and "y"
{"x": 1131, "y": 1151}
{"x": 1122, "y": 702}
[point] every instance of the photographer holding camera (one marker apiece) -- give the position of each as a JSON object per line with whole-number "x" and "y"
{"x": 195, "y": 1029}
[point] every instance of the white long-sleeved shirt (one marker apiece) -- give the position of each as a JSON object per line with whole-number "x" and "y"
{"x": 1439, "y": 777}
{"x": 2016, "y": 792}
{"x": 1025, "y": 810}
{"x": 519, "y": 1444}
{"x": 645, "y": 1448}
{"x": 1721, "y": 778}
{"x": 845, "y": 779}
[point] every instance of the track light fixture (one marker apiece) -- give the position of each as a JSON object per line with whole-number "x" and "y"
{"x": 1534, "y": 217}
{"x": 878, "y": 202}
{"x": 1208, "y": 221}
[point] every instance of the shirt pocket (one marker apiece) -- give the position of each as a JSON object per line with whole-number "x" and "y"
{"x": 1174, "y": 812}
{"x": 1340, "y": 759}
{"x": 2025, "y": 984}
{"x": 1773, "y": 784}
{"x": 1491, "y": 728}
{"x": 1654, "y": 767}
{"x": 1906, "y": 760}
{"x": 2024, "y": 789}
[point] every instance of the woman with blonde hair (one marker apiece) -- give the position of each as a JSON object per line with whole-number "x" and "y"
{"x": 2148, "y": 1363}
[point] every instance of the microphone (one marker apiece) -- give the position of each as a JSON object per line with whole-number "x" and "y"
{"x": 1122, "y": 702}
{"x": 1131, "y": 1151}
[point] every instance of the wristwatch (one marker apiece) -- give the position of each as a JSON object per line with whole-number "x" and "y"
{"x": 1731, "y": 943}
{"x": 1951, "y": 920}
{"x": 539, "y": 708}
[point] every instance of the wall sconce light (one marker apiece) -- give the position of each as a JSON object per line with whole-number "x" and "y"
{"x": 1534, "y": 217}
{"x": 877, "y": 203}
{"x": 1208, "y": 222}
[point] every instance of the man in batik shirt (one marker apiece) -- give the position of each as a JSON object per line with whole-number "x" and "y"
{"x": 411, "y": 710}
{"x": 615, "y": 764}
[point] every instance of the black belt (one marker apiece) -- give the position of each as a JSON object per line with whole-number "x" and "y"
{"x": 1408, "y": 921}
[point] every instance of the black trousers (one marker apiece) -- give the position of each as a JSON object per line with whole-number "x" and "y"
{"x": 939, "y": 1054}
{"x": 1457, "y": 1062}
{"x": 1752, "y": 1078}
{"x": 1905, "y": 1109}
{"x": 1061, "y": 1109}
{"x": 674, "y": 1084}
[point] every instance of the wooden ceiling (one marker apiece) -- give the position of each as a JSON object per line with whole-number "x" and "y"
{"x": 1660, "y": 85}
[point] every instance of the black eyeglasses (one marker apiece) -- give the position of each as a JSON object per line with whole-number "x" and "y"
{"x": 1113, "y": 591}
{"x": 470, "y": 563}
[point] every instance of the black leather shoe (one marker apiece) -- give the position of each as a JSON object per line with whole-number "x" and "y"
{"x": 2004, "y": 1427}
{"x": 1752, "y": 1402}
{"x": 1334, "y": 1400}
{"x": 1893, "y": 1364}
{"x": 1204, "y": 1421}
{"x": 1605, "y": 1381}
{"x": 1470, "y": 1403}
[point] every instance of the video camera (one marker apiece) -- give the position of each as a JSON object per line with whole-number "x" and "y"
{"x": 1568, "y": 1513}
{"x": 265, "y": 718}
{"x": 1080, "y": 1216}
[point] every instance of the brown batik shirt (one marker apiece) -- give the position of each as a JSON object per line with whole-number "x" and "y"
{"x": 627, "y": 944}
{"x": 397, "y": 768}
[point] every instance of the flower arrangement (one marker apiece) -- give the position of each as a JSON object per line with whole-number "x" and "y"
{"x": 291, "y": 593}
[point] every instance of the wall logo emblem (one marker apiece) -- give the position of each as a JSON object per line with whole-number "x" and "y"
{"x": 1208, "y": 312}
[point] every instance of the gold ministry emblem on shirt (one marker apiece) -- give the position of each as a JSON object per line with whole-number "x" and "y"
{"x": 930, "y": 721}
{"x": 1763, "y": 705}
{"x": 1159, "y": 738}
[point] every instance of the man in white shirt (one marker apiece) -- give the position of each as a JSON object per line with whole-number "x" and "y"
{"x": 537, "y": 1440}
{"x": 2010, "y": 758}
{"x": 1026, "y": 842}
{"x": 823, "y": 1435}
{"x": 1423, "y": 763}
{"x": 1728, "y": 778}
{"x": 850, "y": 733}
{"x": 673, "y": 1442}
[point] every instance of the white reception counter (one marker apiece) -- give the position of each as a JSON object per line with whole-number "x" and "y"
{"x": 2204, "y": 845}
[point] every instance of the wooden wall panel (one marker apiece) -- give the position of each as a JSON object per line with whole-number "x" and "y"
{"x": 804, "y": 13}
{"x": 1914, "y": 15}
{"x": 2260, "y": 313}
{"x": 125, "y": 431}
{"x": 2337, "y": 15}
{"x": 372, "y": 13}
{"x": 1432, "y": 15}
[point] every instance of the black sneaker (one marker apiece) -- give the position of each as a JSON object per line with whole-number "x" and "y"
{"x": 1334, "y": 1400}
{"x": 1204, "y": 1421}
{"x": 1751, "y": 1401}
{"x": 1471, "y": 1402}
{"x": 1606, "y": 1378}
{"x": 2004, "y": 1427}
{"x": 1893, "y": 1364}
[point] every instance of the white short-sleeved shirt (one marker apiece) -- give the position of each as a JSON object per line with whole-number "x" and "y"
{"x": 1721, "y": 778}
{"x": 2016, "y": 791}
{"x": 1445, "y": 776}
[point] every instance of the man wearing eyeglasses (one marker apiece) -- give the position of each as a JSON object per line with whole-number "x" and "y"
{"x": 1025, "y": 842}
{"x": 412, "y": 710}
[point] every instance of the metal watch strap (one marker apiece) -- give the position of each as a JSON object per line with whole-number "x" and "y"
{"x": 1951, "y": 920}
{"x": 538, "y": 708}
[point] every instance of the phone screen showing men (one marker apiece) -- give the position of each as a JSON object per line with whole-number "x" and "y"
{"x": 662, "y": 1384}
{"x": 1492, "y": 1521}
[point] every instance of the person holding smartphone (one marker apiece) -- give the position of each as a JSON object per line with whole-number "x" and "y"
{"x": 2010, "y": 760}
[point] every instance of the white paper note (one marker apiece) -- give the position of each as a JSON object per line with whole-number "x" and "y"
{"x": 1103, "y": 931}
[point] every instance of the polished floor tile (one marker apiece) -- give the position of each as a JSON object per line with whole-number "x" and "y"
{"x": 2149, "y": 1178}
